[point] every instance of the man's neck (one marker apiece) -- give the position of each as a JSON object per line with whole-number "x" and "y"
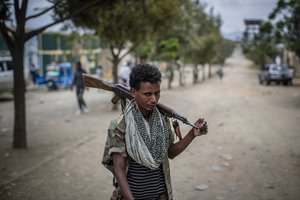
{"x": 146, "y": 116}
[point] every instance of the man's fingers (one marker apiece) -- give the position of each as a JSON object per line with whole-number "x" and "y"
{"x": 203, "y": 127}
{"x": 199, "y": 121}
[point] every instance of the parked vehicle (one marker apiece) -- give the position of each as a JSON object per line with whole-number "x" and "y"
{"x": 276, "y": 73}
{"x": 59, "y": 76}
{"x": 7, "y": 75}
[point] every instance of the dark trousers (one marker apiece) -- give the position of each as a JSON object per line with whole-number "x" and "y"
{"x": 81, "y": 102}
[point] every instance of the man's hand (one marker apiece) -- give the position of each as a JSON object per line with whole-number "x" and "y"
{"x": 202, "y": 127}
{"x": 176, "y": 148}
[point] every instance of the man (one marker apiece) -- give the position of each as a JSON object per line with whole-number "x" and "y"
{"x": 33, "y": 73}
{"x": 220, "y": 73}
{"x": 170, "y": 74}
{"x": 124, "y": 74}
{"x": 140, "y": 142}
{"x": 78, "y": 81}
{"x": 99, "y": 72}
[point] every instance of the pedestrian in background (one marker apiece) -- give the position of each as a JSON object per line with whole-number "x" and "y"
{"x": 140, "y": 142}
{"x": 220, "y": 73}
{"x": 170, "y": 74}
{"x": 78, "y": 82}
{"x": 99, "y": 72}
{"x": 33, "y": 73}
{"x": 123, "y": 74}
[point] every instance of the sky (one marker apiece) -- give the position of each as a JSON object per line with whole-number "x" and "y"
{"x": 233, "y": 14}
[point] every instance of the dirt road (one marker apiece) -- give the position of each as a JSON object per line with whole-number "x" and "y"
{"x": 252, "y": 150}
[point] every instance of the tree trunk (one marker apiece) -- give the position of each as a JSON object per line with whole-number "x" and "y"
{"x": 115, "y": 62}
{"x": 203, "y": 72}
{"x": 19, "y": 137}
{"x": 209, "y": 70}
{"x": 181, "y": 74}
{"x": 195, "y": 74}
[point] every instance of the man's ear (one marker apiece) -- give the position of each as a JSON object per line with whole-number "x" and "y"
{"x": 133, "y": 92}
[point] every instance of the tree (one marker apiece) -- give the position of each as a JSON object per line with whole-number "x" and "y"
{"x": 168, "y": 50}
{"x": 286, "y": 20}
{"x": 144, "y": 51}
{"x": 283, "y": 26}
{"x": 204, "y": 37}
{"x": 226, "y": 48}
{"x": 124, "y": 26}
{"x": 128, "y": 24}
{"x": 15, "y": 36}
{"x": 203, "y": 51}
{"x": 262, "y": 48}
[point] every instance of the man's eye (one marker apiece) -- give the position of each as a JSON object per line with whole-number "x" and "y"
{"x": 147, "y": 94}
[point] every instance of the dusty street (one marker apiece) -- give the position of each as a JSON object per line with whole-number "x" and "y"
{"x": 251, "y": 152}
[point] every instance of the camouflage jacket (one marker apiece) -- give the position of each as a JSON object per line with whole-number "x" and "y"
{"x": 115, "y": 143}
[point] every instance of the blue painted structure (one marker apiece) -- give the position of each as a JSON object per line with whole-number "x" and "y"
{"x": 59, "y": 76}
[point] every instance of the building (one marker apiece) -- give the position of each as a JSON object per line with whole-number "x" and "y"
{"x": 47, "y": 47}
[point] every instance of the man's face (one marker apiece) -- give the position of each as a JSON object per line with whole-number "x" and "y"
{"x": 147, "y": 97}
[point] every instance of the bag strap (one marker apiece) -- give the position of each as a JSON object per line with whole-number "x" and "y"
{"x": 177, "y": 129}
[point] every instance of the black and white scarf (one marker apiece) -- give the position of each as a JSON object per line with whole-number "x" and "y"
{"x": 147, "y": 143}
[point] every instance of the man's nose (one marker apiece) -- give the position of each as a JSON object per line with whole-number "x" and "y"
{"x": 154, "y": 98}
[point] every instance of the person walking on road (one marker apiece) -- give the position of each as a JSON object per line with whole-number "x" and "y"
{"x": 99, "y": 72}
{"x": 140, "y": 142}
{"x": 78, "y": 81}
{"x": 170, "y": 74}
{"x": 124, "y": 74}
{"x": 220, "y": 73}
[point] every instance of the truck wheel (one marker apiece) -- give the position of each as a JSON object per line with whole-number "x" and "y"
{"x": 51, "y": 85}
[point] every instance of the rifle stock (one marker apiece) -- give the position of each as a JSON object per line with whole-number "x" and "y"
{"x": 90, "y": 81}
{"x": 123, "y": 92}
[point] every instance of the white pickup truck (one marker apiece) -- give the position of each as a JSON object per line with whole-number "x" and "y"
{"x": 276, "y": 73}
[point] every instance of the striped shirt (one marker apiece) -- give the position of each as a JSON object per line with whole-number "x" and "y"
{"x": 145, "y": 183}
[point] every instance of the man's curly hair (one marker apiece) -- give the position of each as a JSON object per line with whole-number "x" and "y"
{"x": 144, "y": 73}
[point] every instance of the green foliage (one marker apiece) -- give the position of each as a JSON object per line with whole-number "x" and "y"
{"x": 130, "y": 24}
{"x": 132, "y": 21}
{"x": 283, "y": 27}
{"x": 204, "y": 41}
{"x": 225, "y": 49}
{"x": 286, "y": 20}
{"x": 145, "y": 50}
{"x": 169, "y": 49}
{"x": 166, "y": 29}
{"x": 66, "y": 7}
{"x": 262, "y": 48}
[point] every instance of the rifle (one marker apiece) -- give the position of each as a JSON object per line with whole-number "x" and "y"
{"x": 123, "y": 92}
